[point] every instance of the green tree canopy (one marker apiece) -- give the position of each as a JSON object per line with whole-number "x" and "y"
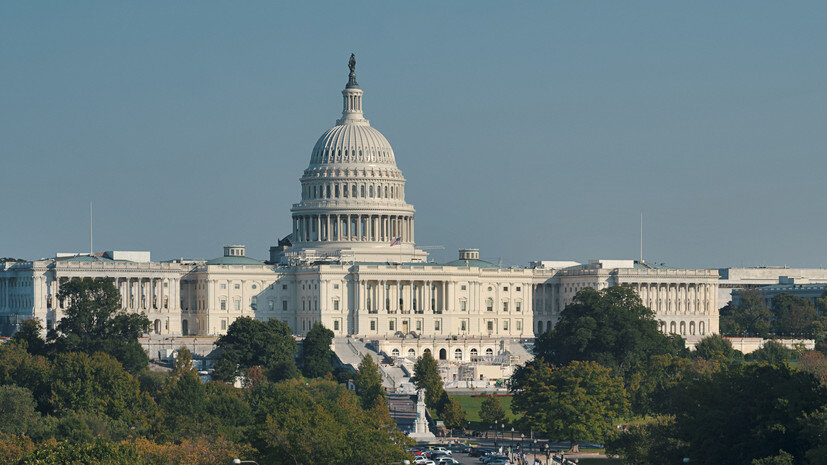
{"x": 369, "y": 385}
{"x": 426, "y": 376}
{"x": 795, "y": 316}
{"x": 611, "y": 327}
{"x": 749, "y": 411}
{"x": 717, "y": 348}
{"x": 452, "y": 413}
{"x": 94, "y": 322}
{"x": 749, "y": 318}
{"x": 250, "y": 343}
{"x": 319, "y": 421}
{"x": 491, "y": 411}
{"x": 316, "y": 354}
{"x": 28, "y": 336}
{"x": 577, "y": 402}
{"x": 772, "y": 352}
{"x": 17, "y": 410}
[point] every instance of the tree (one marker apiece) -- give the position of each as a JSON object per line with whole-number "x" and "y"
{"x": 32, "y": 372}
{"x": 369, "y": 384}
{"x": 815, "y": 363}
{"x": 316, "y": 354}
{"x": 452, "y": 413}
{"x": 426, "y": 376}
{"x": 759, "y": 409}
{"x": 96, "y": 383}
{"x": 17, "y": 410}
{"x": 749, "y": 318}
{"x": 319, "y": 421}
{"x": 491, "y": 411}
{"x": 99, "y": 452}
{"x": 794, "y": 316}
{"x": 611, "y": 327}
{"x": 28, "y": 337}
{"x": 576, "y": 402}
{"x": 772, "y": 352}
{"x": 250, "y": 343}
{"x": 94, "y": 322}
{"x": 716, "y": 348}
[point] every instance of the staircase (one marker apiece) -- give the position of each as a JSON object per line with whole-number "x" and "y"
{"x": 351, "y": 351}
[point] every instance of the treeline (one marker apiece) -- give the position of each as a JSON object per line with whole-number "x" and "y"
{"x": 606, "y": 374}
{"x": 787, "y": 316}
{"x": 71, "y": 399}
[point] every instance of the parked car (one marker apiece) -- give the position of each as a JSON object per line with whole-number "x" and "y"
{"x": 492, "y": 458}
{"x": 479, "y": 451}
{"x": 460, "y": 448}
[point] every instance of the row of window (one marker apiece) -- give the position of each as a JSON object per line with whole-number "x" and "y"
{"x": 351, "y": 154}
{"x": 344, "y": 191}
{"x": 457, "y": 353}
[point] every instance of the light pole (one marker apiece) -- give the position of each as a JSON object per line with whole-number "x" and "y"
{"x": 238, "y": 461}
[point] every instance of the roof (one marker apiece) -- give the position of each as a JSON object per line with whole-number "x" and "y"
{"x": 472, "y": 263}
{"x": 817, "y": 287}
{"x": 86, "y": 258}
{"x": 235, "y": 260}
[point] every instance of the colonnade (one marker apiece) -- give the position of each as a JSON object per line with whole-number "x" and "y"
{"x": 403, "y": 296}
{"x": 353, "y": 227}
{"x": 676, "y": 298}
{"x": 144, "y": 294}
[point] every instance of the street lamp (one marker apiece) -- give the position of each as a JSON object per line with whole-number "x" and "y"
{"x": 238, "y": 461}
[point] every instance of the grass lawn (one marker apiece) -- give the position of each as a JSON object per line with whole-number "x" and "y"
{"x": 472, "y": 405}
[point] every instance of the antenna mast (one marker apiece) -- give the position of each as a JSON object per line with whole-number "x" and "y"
{"x": 90, "y": 229}
{"x": 641, "y": 237}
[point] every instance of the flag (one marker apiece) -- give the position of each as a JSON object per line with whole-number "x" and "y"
{"x": 396, "y": 241}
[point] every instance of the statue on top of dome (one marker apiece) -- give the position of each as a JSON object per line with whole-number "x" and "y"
{"x": 352, "y": 63}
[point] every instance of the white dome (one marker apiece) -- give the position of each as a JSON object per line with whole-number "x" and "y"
{"x": 352, "y": 143}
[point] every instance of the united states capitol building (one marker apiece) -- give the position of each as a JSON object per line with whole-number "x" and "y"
{"x": 352, "y": 264}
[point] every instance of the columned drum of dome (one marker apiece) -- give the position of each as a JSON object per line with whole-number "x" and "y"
{"x": 353, "y": 195}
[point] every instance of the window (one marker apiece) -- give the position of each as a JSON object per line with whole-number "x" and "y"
{"x": 255, "y": 287}
{"x": 237, "y": 304}
{"x": 519, "y": 288}
{"x": 284, "y": 305}
{"x": 505, "y": 306}
{"x": 166, "y": 284}
{"x": 392, "y": 325}
{"x": 271, "y": 305}
{"x": 505, "y": 288}
{"x": 335, "y": 305}
{"x": 411, "y": 353}
{"x": 284, "y": 286}
{"x": 419, "y": 325}
{"x": 223, "y": 324}
{"x": 236, "y": 286}
{"x": 462, "y": 305}
{"x": 490, "y": 325}
{"x": 373, "y": 325}
{"x": 489, "y": 304}
{"x": 458, "y": 354}
{"x": 462, "y": 287}
{"x": 395, "y": 353}
{"x": 463, "y": 325}
{"x": 517, "y": 306}
{"x": 254, "y": 302}
{"x": 505, "y": 325}
{"x": 437, "y": 324}
{"x": 519, "y": 325}
{"x": 473, "y": 353}
{"x": 223, "y": 304}
{"x": 335, "y": 325}
{"x": 335, "y": 286}
{"x": 223, "y": 286}
{"x": 490, "y": 288}
{"x": 489, "y": 351}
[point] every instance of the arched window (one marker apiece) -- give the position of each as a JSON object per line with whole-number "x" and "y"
{"x": 353, "y": 191}
{"x": 411, "y": 353}
{"x": 683, "y": 328}
{"x": 489, "y": 351}
{"x": 426, "y": 350}
{"x": 157, "y": 326}
{"x": 370, "y": 191}
{"x": 362, "y": 191}
{"x": 489, "y": 304}
{"x": 395, "y": 352}
{"x": 386, "y": 191}
{"x": 672, "y": 328}
{"x": 701, "y": 328}
{"x": 185, "y": 329}
{"x": 473, "y": 353}
{"x": 458, "y": 354}
{"x": 692, "y": 327}
{"x": 328, "y": 191}
{"x": 443, "y": 354}
{"x": 539, "y": 327}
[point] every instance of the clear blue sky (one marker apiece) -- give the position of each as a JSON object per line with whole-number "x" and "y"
{"x": 536, "y": 130}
